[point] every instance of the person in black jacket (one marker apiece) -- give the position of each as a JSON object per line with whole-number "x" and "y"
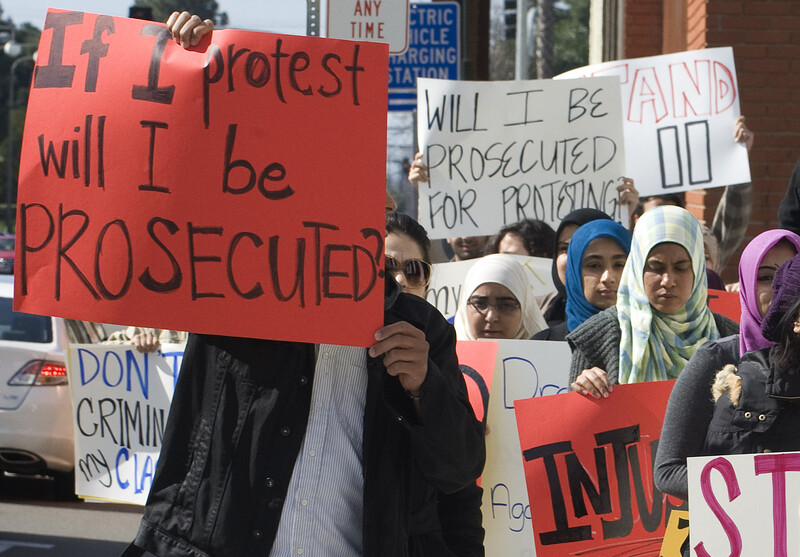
{"x": 407, "y": 252}
{"x": 789, "y": 209}
{"x": 278, "y": 448}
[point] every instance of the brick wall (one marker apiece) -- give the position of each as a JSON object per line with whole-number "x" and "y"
{"x": 643, "y": 28}
{"x": 765, "y": 36}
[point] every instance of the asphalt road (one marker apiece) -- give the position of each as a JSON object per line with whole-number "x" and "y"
{"x": 33, "y": 524}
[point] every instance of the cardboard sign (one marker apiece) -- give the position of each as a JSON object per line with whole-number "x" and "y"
{"x": 589, "y": 470}
{"x": 676, "y": 535}
{"x": 384, "y": 21}
{"x": 524, "y": 369}
{"x": 725, "y": 303}
{"x": 121, "y": 400}
{"x": 444, "y": 291}
{"x": 680, "y": 110}
{"x": 198, "y": 189}
{"x": 477, "y": 360}
{"x": 744, "y": 504}
{"x": 502, "y": 151}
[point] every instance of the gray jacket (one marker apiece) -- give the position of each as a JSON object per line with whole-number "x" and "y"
{"x": 596, "y": 343}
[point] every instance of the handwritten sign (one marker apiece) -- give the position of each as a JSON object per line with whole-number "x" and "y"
{"x": 196, "y": 189}
{"x": 676, "y": 536}
{"x": 524, "y": 369}
{"x": 121, "y": 400}
{"x": 589, "y": 470}
{"x": 744, "y": 504}
{"x": 680, "y": 110}
{"x": 444, "y": 291}
{"x": 477, "y": 361}
{"x": 499, "y": 152}
{"x": 725, "y": 303}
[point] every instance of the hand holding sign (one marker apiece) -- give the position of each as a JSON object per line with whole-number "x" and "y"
{"x": 742, "y": 134}
{"x": 188, "y": 29}
{"x": 593, "y": 381}
{"x": 405, "y": 354}
{"x": 193, "y": 189}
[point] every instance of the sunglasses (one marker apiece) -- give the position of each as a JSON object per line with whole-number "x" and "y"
{"x": 416, "y": 271}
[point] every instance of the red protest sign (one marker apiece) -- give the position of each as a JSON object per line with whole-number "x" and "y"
{"x": 235, "y": 188}
{"x": 588, "y": 467}
{"x": 477, "y": 359}
{"x": 725, "y": 303}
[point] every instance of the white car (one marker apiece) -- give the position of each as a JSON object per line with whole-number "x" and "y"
{"x": 36, "y": 436}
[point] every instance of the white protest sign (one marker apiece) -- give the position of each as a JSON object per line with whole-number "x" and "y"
{"x": 377, "y": 21}
{"x": 525, "y": 369}
{"x": 444, "y": 290}
{"x": 744, "y": 504}
{"x": 502, "y": 151}
{"x": 120, "y": 401}
{"x": 680, "y": 112}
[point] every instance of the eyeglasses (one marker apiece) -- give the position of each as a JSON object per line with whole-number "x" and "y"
{"x": 416, "y": 271}
{"x": 503, "y": 307}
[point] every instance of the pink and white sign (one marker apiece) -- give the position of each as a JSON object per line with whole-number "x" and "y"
{"x": 744, "y": 504}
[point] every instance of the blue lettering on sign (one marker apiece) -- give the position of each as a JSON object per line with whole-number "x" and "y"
{"x": 521, "y": 380}
{"x": 144, "y": 467}
{"x": 175, "y": 364}
{"x": 112, "y": 371}
{"x": 517, "y": 509}
{"x": 434, "y": 50}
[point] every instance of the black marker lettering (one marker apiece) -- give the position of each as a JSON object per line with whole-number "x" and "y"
{"x": 193, "y": 258}
{"x": 152, "y": 92}
{"x": 151, "y": 159}
{"x": 107, "y": 294}
{"x": 174, "y": 281}
{"x": 215, "y": 54}
{"x": 354, "y": 68}
{"x": 96, "y": 49}
{"x": 298, "y": 275}
{"x": 326, "y": 66}
{"x": 63, "y": 248}
{"x": 56, "y": 74}
{"x": 256, "y": 290}
{"x": 24, "y": 237}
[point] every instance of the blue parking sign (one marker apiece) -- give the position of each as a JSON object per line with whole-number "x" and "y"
{"x": 434, "y": 50}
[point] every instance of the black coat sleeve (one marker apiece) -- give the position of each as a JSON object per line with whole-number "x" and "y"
{"x": 446, "y": 437}
{"x": 789, "y": 209}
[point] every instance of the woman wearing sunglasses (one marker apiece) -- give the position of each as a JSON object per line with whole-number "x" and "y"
{"x": 450, "y": 524}
{"x": 407, "y": 254}
{"x": 497, "y": 302}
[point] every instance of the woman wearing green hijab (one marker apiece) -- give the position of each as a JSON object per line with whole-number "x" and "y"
{"x": 661, "y": 317}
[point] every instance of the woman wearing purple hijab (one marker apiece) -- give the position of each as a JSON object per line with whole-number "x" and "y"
{"x": 757, "y": 266}
{"x": 690, "y": 407}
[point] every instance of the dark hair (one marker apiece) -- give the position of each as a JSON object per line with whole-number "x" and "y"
{"x": 537, "y": 236}
{"x": 785, "y": 356}
{"x": 401, "y": 223}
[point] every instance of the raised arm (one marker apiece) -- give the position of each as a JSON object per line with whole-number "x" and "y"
{"x": 187, "y": 29}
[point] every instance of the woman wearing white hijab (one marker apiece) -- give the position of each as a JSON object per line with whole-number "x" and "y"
{"x": 499, "y": 303}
